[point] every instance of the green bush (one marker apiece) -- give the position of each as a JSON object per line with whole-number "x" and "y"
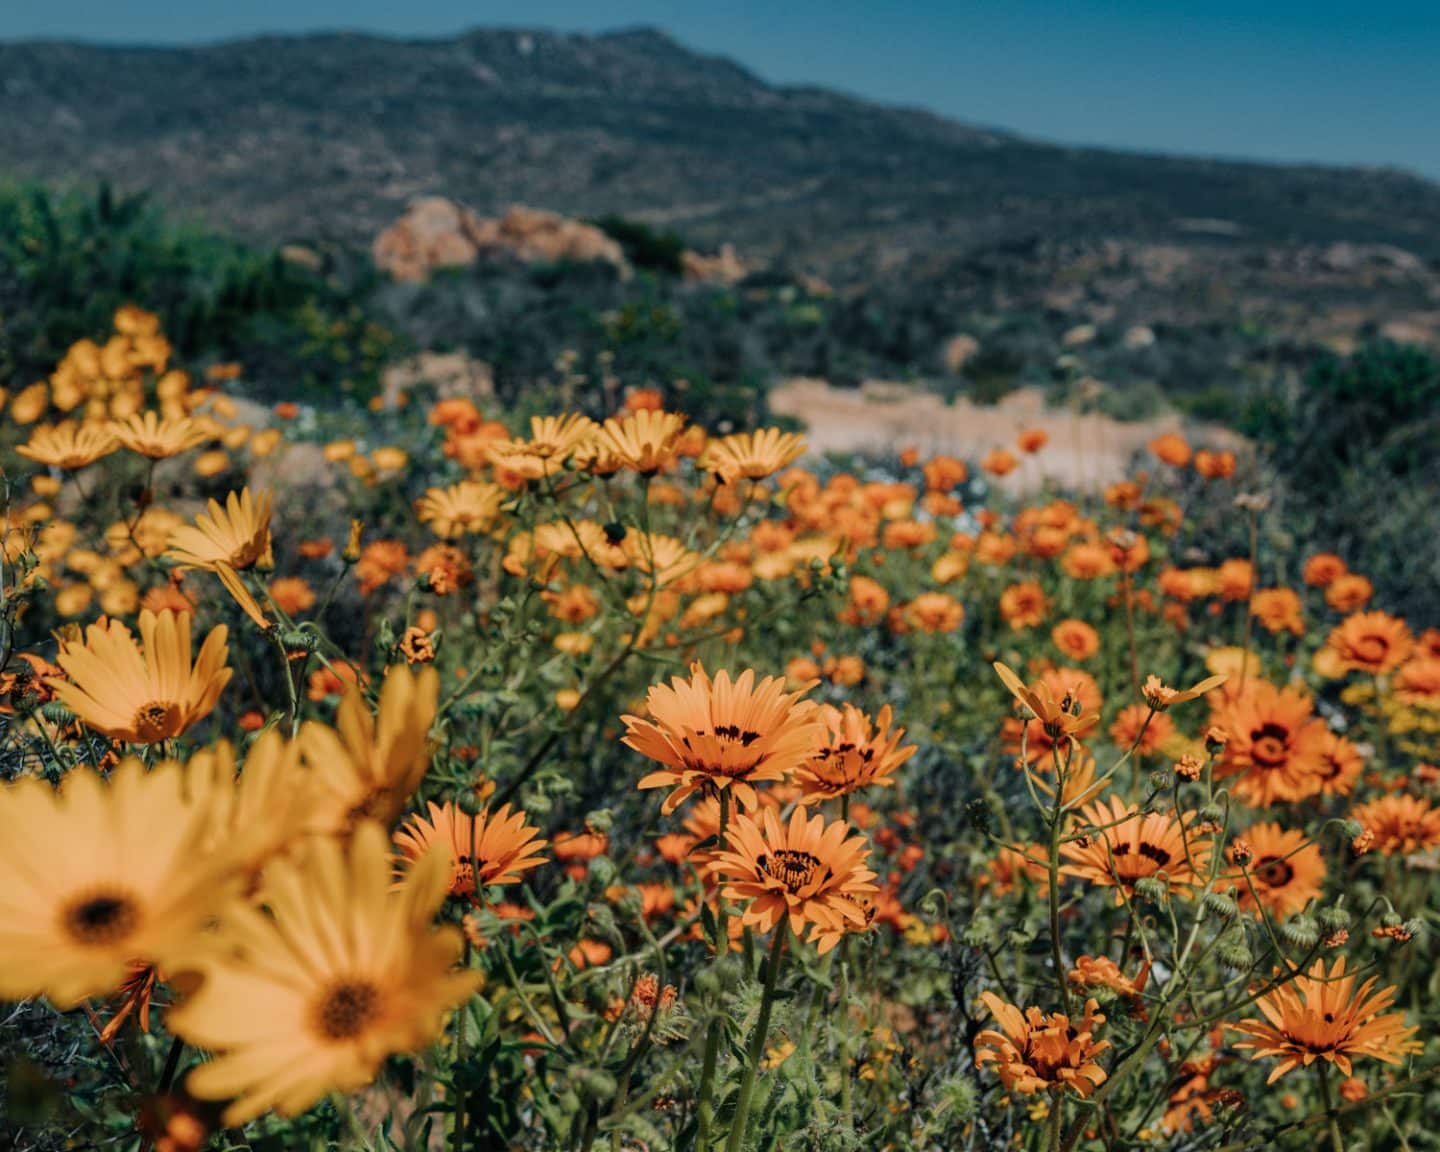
{"x": 68, "y": 261}
{"x": 644, "y": 247}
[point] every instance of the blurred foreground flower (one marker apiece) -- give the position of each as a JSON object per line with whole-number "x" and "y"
{"x": 314, "y": 996}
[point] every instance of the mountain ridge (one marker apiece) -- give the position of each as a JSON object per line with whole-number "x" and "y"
{"x": 327, "y": 136}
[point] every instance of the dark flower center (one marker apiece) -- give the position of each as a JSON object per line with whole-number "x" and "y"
{"x": 1371, "y": 649}
{"x": 347, "y": 1009}
{"x": 1274, "y": 872}
{"x": 793, "y": 868}
{"x": 102, "y": 920}
{"x": 1270, "y": 746}
{"x": 154, "y": 721}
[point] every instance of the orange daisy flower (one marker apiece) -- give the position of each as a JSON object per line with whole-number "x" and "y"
{"x": 1322, "y": 569}
{"x": 1038, "y": 1053}
{"x": 1075, "y": 639}
{"x": 1373, "y": 642}
{"x": 1417, "y": 683}
{"x": 1286, "y": 870}
{"x": 1024, "y": 605}
{"x": 1339, "y": 764}
{"x": 1400, "y": 824}
{"x": 711, "y": 735}
{"x": 1130, "y": 729}
{"x": 856, "y": 753}
{"x": 808, "y": 871}
{"x": 1275, "y": 744}
{"x": 1064, "y": 702}
{"x": 484, "y": 849}
{"x": 1322, "y": 1016}
{"x": 1131, "y": 846}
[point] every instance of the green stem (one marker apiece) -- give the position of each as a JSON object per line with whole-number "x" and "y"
{"x": 1053, "y": 868}
{"x": 1336, "y": 1143}
{"x": 757, "y": 1041}
{"x": 1057, "y": 1116}
{"x": 705, "y": 1106}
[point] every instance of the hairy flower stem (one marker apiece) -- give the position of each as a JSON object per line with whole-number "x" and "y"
{"x": 846, "y": 1106}
{"x": 1057, "y": 1117}
{"x": 1057, "y": 827}
{"x": 757, "y": 1041}
{"x": 1328, "y": 1100}
{"x": 705, "y": 1106}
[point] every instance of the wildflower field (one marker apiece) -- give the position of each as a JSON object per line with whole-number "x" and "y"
{"x": 443, "y": 778}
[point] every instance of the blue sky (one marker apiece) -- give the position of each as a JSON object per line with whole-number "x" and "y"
{"x": 1268, "y": 79}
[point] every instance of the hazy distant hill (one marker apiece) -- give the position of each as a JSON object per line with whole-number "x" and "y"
{"x": 328, "y": 136}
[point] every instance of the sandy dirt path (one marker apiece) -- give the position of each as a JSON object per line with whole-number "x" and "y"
{"x": 1085, "y": 451}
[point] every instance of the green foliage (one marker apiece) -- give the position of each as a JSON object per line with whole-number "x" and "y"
{"x": 644, "y": 247}
{"x": 1354, "y": 449}
{"x": 67, "y": 262}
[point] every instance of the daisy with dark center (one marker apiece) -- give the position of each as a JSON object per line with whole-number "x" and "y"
{"x": 484, "y": 849}
{"x": 1322, "y": 1016}
{"x": 315, "y": 995}
{"x": 1372, "y": 642}
{"x": 1274, "y": 750}
{"x": 1278, "y": 869}
{"x": 236, "y": 535}
{"x": 367, "y": 766}
{"x": 805, "y": 872}
{"x": 102, "y": 878}
{"x": 711, "y": 736}
{"x": 1130, "y": 845}
{"x": 857, "y": 753}
{"x": 1339, "y": 764}
{"x": 142, "y": 692}
{"x": 1032, "y": 1052}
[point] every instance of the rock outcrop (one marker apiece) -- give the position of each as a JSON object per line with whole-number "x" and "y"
{"x": 437, "y": 232}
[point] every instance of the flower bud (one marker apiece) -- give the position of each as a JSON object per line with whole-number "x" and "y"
{"x": 1301, "y": 932}
{"x": 595, "y": 1084}
{"x": 1219, "y": 904}
{"x": 979, "y": 933}
{"x": 352, "y": 546}
{"x": 1152, "y": 888}
{"x": 1333, "y": 919}
{"x": 1234, "y": 952}
{"x": 957, "y": 1098}
{"x": 603, "y": 872}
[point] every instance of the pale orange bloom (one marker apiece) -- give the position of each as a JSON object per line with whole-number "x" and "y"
{"x": 1322, "y": 1016}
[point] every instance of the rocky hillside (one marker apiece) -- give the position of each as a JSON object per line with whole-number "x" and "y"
{"x": 330, "y": 137}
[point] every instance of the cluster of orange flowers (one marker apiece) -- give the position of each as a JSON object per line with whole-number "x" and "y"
{"x": 290, "y": 882}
